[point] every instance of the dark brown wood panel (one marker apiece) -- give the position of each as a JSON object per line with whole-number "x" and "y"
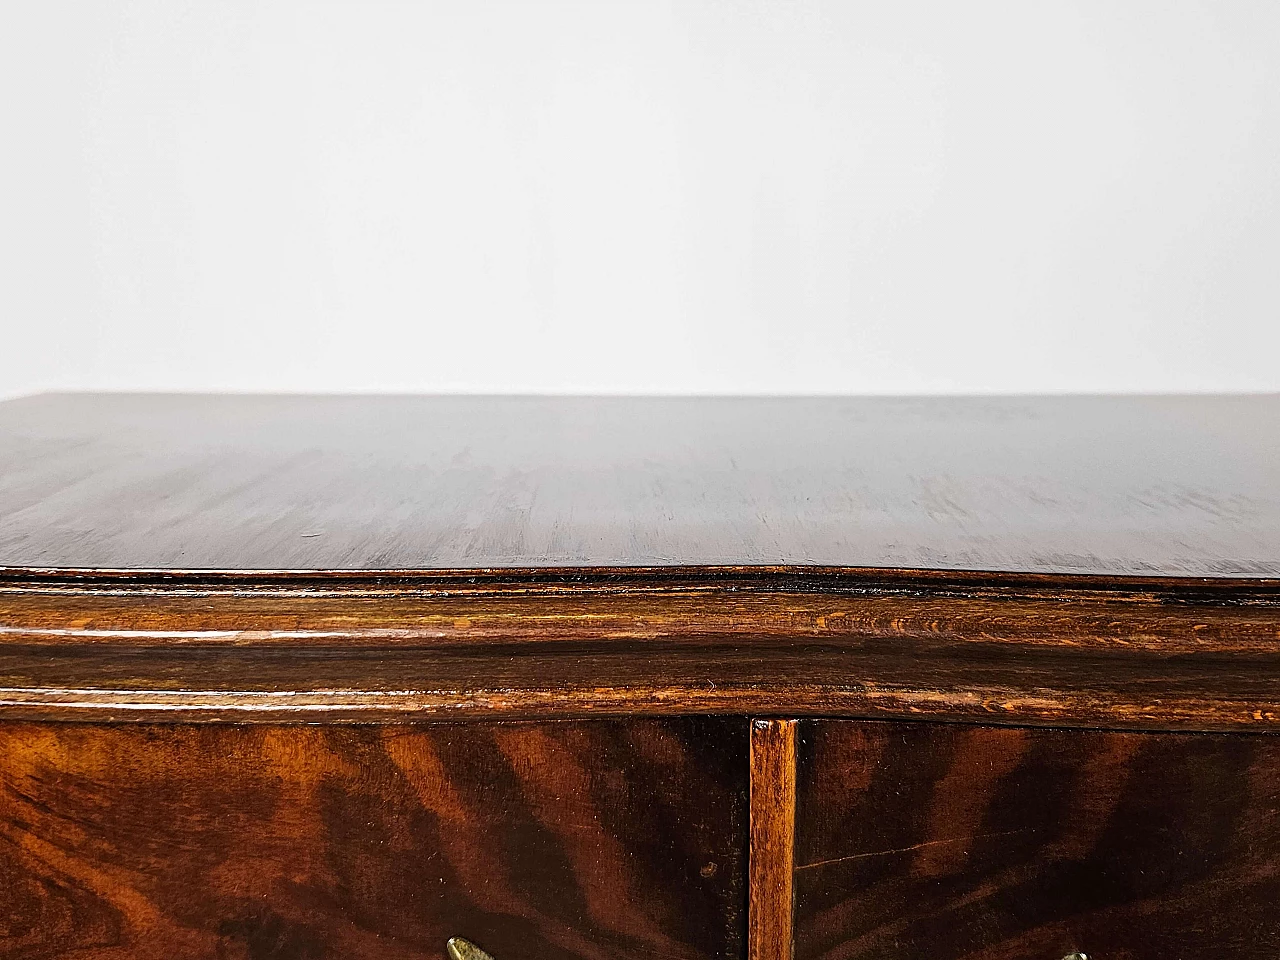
{"x": 769, "y": 676}
{"x": 594, "y": 841}
{"x": 1154, "y": 655}
{"x": 773, "y": 820}
{"x": 1170, "y": 486}
{"x": 950, "y": 841}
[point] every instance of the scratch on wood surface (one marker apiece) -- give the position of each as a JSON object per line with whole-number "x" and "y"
{"x": 914, "y": 846}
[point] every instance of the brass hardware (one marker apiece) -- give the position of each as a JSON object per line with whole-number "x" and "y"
{"x": 460, "y": 949}
{"x": 1070, "y": 956}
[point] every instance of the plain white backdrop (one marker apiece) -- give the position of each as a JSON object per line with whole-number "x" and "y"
{"x": 706, "y": 196}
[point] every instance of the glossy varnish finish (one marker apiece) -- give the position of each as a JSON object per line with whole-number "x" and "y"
{"x": 334, "y": 562}
{"x": 530, "y": 558}
{"x": 1142, "y": 485}
{"x": 1123, "y": 653}
{"x": 949, "y": 842}
{"x": 772, "y": 852}
{"x": 537, "y": 841}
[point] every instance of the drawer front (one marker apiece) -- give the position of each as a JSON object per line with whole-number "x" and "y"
{"x": 599, "y": 839}
{"x": 946, "y": 841}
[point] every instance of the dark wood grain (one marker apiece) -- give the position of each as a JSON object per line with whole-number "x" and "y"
{"x": 943, "y": 841}
{"x": 1142, "y": 485}
{"x": 1148, "y": 655}
{"x": 586, "y": 840}
{"x": 772, "y": 852}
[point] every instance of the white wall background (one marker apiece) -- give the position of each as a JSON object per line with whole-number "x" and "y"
{"x": 640, "y": 196}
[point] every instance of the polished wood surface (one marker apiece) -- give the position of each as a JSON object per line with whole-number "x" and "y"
{"x": 278, "y": 592}
{"x": 1135, "y": 486}
{"x": 587, "y": 840}
{"x": 948, "y": 842}
{"x": 1199, "y": 655}
{"x": 772, "y": 851}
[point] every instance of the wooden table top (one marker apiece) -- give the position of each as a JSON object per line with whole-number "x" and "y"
{"x": 1079, "y": 562}
{"x": 1137, "y": 486}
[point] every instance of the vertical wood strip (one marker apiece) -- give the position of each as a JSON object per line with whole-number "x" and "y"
{"x": 773, "y": 821}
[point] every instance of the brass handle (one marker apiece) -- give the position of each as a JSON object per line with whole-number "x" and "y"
{"x": 460, "y": 949}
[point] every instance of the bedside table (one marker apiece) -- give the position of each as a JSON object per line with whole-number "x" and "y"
{"x": 595, "y": 679}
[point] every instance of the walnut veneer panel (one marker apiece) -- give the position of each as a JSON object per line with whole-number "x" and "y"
{"x": 949, "y": 842}
{"x": 562, "y": 841}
